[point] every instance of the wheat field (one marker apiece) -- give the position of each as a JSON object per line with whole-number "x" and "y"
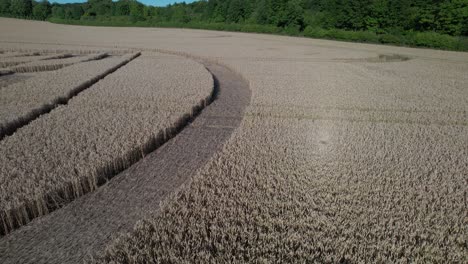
{"x": 106, "y": 128}
{"x": 326, "y": 170}
{"x": 346, "y": 152}
{"x": 22, "y": 102}
{"x": 55, "y": 64}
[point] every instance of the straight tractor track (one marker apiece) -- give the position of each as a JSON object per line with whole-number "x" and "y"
{"x": 85, "y": 226}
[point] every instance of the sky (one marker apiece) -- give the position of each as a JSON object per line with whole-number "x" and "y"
{"x": 146, "y": 2}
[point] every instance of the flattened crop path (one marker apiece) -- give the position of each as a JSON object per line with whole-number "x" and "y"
{"x": 86, "y": 225}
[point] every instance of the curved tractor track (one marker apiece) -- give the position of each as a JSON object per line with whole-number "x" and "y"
{"x": 86, "y": 225}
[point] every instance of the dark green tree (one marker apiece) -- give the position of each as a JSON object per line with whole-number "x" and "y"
{"x": 58, "y": 11}
{"x": 76, "y": 11}
{"x": 122, "y": 8}
{"x": 99, "y": 7}
{"x": 236, "y": 11}
{"x": 21, "y": 8}
{"x": 136, "y": 11}
{"x": 4, "y": 6}
{"x": 293, "y": 15}
{"x": 42, "y": 10}
{"x": 263, "y": 12}
{"x": 179, "y": 14}
{"x": 220, "y": 12}
{"x": 452, "y": 16}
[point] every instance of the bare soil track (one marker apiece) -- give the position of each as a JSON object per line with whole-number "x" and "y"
{"x": 86, "y": 226}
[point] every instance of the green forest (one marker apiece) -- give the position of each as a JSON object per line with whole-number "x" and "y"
{"x": 425, "y": 23}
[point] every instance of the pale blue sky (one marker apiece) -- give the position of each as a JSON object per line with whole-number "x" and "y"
{"x": 146, "y": 2}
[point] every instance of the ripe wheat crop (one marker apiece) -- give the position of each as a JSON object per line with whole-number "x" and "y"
{"x": 344, "y": 155}
{"x": 22, "y": 102}
{"x": 55, "y": 64}
{"x": 13, "y": 61}
{"x": 103, "y": 130}
{"x": 334, "y": 162}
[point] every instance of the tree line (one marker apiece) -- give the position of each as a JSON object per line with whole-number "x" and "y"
{"x": 308, "y": 17}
